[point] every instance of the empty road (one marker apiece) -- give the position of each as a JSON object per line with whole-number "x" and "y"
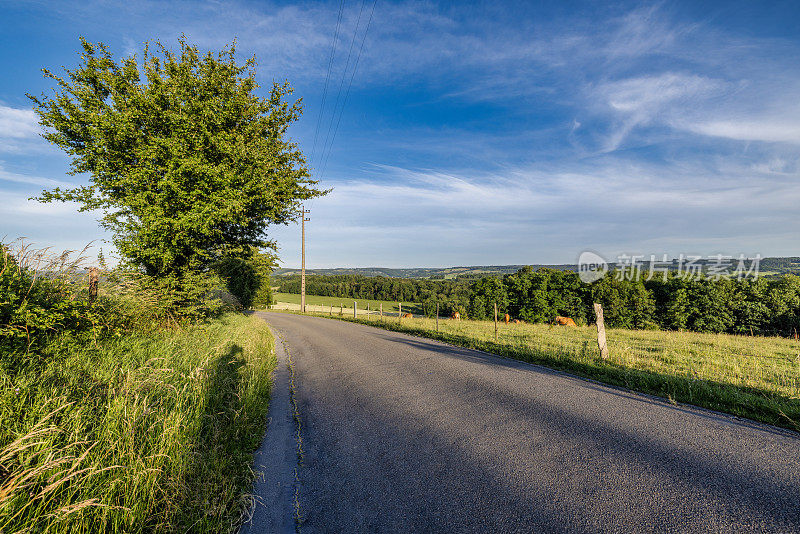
{"x": 403, "y": 434}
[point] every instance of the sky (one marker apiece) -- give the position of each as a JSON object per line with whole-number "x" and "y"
{"x": 470, "y": 133}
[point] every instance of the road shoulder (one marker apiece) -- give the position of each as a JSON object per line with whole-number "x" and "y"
{"x": 276, "y": 458}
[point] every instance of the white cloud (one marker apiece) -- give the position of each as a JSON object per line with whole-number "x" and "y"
{"x": 535, "y": 214}
{"x": 30, "y": 180}
{"x": 765, "y": 129}
{"x": 17, "y": 207}
{"x": 57, "y": 225}
{"x": 589, "y": 84}
{"x": 19, "y": 131}
{"x": 640, "y": 32}
{"x": 639, "y": 101}
{"x": 18, "y": 123}
{"x": 647, "y": 95}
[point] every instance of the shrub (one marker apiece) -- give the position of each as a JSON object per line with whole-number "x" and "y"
{"x": 44, "y": 295}
{"x": 241, "y": 279}
{"x": 41, "y": 296}
{"x": 263, "y": 296}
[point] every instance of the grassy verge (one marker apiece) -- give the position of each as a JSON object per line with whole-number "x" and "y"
{"x": 753, "y": 377}
{"x": 145, "y": 433}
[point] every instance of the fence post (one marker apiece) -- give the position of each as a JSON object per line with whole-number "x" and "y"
{"x": 381, "y": 311}
{"x": 341, "y": 308}
{"x": 495, "y": 322}
{"x": 355, "y": 307}
{"x": 399, "y": 311}
{"x": 94, "y": 281}
{"x": 437, "y": 315}
{"x": 331, "y": 311}
{"x": 601, "y": 330}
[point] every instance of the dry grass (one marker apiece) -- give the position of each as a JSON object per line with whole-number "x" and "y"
{"x": 149, "y": 433}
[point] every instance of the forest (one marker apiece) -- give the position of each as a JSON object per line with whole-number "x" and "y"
{"x": 748, "y": 306}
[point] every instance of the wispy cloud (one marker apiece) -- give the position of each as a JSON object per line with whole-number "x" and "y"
{"x": 768, "y": 129}
{"x": 18, "y": 123}
{"x": 499, "y": 135}
{"x": 640, "y": 101}
{"x": 541, "y": 214}
{"x": 19, "y": 131}
{"x": 6, "y": 176}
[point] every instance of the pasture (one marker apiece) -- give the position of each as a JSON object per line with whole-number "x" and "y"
{"x": 753, "y": 377}
{"x": 315, "y": 302}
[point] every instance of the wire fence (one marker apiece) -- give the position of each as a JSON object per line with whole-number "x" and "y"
{"x": 349, "y": 308}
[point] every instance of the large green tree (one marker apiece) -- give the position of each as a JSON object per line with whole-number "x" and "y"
{"x": 486, "y": 292}
{"x": 187, "y": 163}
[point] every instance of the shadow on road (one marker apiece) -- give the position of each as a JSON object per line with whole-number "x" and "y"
{"x": 748, "y": 489}
{"x": 415, "y": 445}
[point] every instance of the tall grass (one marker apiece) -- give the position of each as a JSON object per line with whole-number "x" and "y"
{"x": 753, "y": 377}
{"x": 147, "y": 433}
{"x": 116, "y": 416}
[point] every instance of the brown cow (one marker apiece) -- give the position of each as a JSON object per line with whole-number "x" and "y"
{"x": 563, "y": 321}
{"x": 408, "y": 316}
{"x": 456, "y": 316}
{"x": 506, "y": 318}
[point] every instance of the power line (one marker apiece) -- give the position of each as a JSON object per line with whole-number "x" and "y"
{"x": 344, "y": 103}
{"x": 341, "y": 83}
{"x": 327, "y": 77}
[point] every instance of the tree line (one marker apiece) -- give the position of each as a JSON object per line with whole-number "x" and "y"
{"x": 452, "y": 295}
{"x": 757, "y": 306}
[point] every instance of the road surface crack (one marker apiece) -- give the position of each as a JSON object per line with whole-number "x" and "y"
{"x": 298, "y": 517}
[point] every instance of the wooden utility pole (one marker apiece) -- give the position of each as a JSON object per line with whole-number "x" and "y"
{"x": 399, "y": 311}
{"x": 381, "y": 311}
{"x": 303, "y": 220}
{"x": 437, "y": 315}
{"x": 355, "y": 307}
{"x": 601, "y": 331}
{"x": 495, "y": 322}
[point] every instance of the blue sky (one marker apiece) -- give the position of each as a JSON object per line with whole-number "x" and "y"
{"x": 474, "y": 133}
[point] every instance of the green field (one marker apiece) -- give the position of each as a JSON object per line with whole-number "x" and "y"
{"x": 146, "y": 433}
{"x": 753, "y": 377}
{"x": 314, "y": 300}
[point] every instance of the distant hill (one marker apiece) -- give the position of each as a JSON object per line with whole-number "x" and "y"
{"x": 790, "y": 265}
{"x": 768, "y": 267}
{"x": 435, "y": 273}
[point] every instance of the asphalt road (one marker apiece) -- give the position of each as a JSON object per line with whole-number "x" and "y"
{"x": 403, "y": 434}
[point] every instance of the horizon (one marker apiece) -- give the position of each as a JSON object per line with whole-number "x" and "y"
{"x": 701, "y": 259}
{"x": 472, "y": 134}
